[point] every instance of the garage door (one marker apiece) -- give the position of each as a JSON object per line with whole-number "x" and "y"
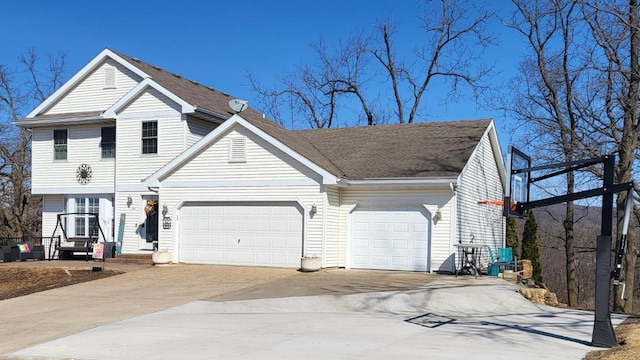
{"x": 389, "y": 238}
{"x": 268, "y": 234}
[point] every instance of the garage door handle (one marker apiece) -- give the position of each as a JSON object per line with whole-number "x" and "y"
{"x": 238, "y": 241}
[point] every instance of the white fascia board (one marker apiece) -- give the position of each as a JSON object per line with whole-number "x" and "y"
{"x": 139, "y": 89}
{"x": 399, "y": 182}
{"x": 154, "y": 179}
{"x": 80, "y": 75}
{"x": 76, "y": 190}
{"x": 497, "y": 152}
{"x": 58, "y": 122}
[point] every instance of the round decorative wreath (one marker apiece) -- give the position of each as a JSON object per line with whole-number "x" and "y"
{"x": 83, "y": 174}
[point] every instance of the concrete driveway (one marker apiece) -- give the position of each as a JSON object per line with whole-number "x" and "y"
{"x": 211, "y": 312}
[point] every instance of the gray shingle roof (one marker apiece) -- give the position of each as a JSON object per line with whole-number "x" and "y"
{"x": 192, "y": 92}
{"x": 429, "y": 150}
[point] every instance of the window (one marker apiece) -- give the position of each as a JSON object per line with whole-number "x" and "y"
{"x": 237, "y": 150}
{"x": 150, "y": 137}
{"x": 109, "y": 73}
{"x": 60, "y": 144}
{"x": 108, "y": 142}
{"x": 85, "y": 225}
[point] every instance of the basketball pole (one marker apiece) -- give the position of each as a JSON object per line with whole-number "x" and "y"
{"x": 603, "y": 333}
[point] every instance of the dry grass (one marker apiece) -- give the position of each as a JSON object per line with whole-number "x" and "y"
{"x": 20, "y": 281}
{"x": 628, "y": 347}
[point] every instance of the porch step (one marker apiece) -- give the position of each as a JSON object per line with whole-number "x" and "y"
{"x": 141, "y": 259}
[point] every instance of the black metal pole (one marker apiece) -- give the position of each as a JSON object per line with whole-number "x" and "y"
{"x": 603, "y": 333}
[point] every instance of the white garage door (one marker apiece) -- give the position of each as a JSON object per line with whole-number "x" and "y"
{"x": 389, "y": 238}
{"x": 268, "y": 234}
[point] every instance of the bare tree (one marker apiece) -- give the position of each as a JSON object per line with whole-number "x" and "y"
{"x": 19, "y": 92}
{"x": 585, "y": 80}
{"x": 615, "y": 29}
{"x": 365, "y": 74}
{"x": 547, "y": 94}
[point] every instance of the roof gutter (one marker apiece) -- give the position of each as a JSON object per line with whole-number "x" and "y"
{"x": 444, "y": 182}
{"x": 32, "y": 123}
{"x": 211, "y": 113}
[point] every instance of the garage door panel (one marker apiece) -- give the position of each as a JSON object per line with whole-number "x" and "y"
{"x": 394, "y": 238}
{"x": 401, "y": 244}
{"x": 399, "y": 261}
{"x": 265, "y": 235}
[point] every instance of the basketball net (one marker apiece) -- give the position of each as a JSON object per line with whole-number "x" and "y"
{"x": 492, "y": 210}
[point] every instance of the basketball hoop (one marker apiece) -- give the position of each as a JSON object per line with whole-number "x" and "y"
{"x": 492, "y": 210}
{"x": 497, "y": 203}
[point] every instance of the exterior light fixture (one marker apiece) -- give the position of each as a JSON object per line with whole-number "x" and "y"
{"x": 165, "y": 210}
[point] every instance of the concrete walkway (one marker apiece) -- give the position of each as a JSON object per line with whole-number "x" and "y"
{"x": 211, "y": 312}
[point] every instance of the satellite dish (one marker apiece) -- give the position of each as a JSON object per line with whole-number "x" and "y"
{"x": 238, "y": 105}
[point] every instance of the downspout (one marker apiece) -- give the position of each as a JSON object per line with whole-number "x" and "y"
{"x": 453, "y": 223}
{"x": 342, "y": 230}
{"x": 324, "y": 225}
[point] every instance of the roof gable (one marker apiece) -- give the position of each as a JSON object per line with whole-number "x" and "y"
{"x": 140, "y": 89}
{"x": 155, "y": 179}
{"x": 80, "y": 76}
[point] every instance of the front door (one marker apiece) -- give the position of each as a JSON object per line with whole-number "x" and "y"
{"x": 148, "y": 228}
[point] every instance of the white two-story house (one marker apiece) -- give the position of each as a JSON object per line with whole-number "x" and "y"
{"x": 181, "y": 170}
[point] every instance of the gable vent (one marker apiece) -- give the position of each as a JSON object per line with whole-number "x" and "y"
{"x": 237, "y": 150}
{"x": 109, "y": 73}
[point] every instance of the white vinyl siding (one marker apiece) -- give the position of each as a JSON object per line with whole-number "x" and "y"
{"x": 91, "y": 94}
{"x": 264, "y": 162}
{"x": 334, "y": 252}
{"x": 480, "y": 180}
{"x": 83, "y": 148}
{"x": 133, "y": 167}
{"x": 151, "y": 101}
{"x": 197, "y": 129}
{"x": 431, "y": 199}
{"x": 52, "y": 205}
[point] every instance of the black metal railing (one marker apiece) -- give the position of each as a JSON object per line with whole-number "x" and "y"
{"x": 36, "y": 241}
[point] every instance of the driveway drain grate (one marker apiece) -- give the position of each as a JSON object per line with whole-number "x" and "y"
{"x": 430, "y": 320}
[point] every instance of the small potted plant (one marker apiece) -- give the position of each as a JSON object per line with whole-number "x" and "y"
{"x": 310, "y": 263}
{"x": 161, "y": 257}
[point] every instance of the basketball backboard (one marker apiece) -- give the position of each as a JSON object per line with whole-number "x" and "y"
{"x": 518, "y": 182}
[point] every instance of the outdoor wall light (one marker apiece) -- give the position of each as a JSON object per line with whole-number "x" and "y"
{"x": 314, "y": 209}
{"x": 439, "y": 215}
{"x": 165, "y": 210}
{"x": 129, "y": 201}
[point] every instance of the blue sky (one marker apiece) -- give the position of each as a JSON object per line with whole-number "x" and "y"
{"x": 215, "y": 42}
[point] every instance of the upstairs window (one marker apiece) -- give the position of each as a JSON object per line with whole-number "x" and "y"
{"x": 108, "y": 142}
{"x": 150, "y": 137}
{"x": 237, "y": 150}
{"x": 60, "y": 144}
